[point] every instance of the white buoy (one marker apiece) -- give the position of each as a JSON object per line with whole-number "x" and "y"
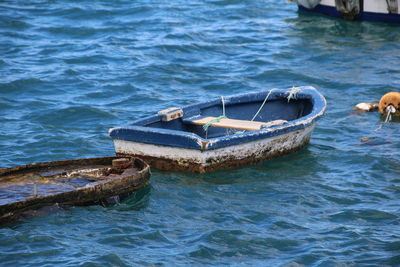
{"x": 366, "y": 106}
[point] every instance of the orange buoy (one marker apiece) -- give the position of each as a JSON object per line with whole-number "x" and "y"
{"x": 390, "y": 102}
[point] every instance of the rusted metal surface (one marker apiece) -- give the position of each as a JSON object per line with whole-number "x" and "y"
{"x": 68, "y": 182}
{"x": 250, "y": 153}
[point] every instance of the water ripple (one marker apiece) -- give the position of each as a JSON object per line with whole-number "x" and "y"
{"x": 69, "y": 71}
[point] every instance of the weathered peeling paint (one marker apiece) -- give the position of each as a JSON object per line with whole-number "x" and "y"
{"x": 180, "y": 159}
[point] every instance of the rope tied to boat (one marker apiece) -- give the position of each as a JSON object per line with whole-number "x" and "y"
{"x": 392, "y": 6}
{"x": 293, "y": 93}
{"x": 217, "y": 119}
{"x": 223, "y": 105}
{"x": 263, "y": 103}
{"x": 209, "y": 123}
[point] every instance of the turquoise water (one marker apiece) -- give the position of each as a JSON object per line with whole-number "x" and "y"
{"x": 71, "y": 70}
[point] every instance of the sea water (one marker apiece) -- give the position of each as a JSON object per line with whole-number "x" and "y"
{"x": 70, "y": 70}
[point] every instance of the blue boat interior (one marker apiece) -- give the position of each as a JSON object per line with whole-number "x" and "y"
{"x": 278, "y": 108}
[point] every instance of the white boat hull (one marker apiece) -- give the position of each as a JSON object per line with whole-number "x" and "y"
{"x": 192, "y": 160}
{"x": 371, "y": 10}
{"x": 373, "y": 6}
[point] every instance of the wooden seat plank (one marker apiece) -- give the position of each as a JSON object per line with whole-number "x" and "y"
{"x": 238, "y": 124}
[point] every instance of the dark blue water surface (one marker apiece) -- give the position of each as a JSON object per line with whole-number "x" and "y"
{"x": 70, "y": 70}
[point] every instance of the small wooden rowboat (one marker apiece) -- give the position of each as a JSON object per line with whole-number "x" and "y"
{"x": 226, "y": 132}
{"x": 24, "y": 189}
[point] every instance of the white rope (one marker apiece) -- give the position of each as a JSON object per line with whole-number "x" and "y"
{"x": 218, "y": 119}
{"x": 223, "y": 106}
{"x": 388, "y": 117}
{"x": 293, "y": 93}
{"x": 262, "y": 105}
{"x": 389, "y": 109}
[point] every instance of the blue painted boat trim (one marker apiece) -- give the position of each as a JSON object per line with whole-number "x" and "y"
{"x": 366, "y": 16}
{"x": 138, "y": 132}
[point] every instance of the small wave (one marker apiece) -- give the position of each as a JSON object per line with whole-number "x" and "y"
{"x": 26, "y": 86}
{"x": 14, "y": 24}
{"x": 75, "y": 116}
{"x": 342, "y": 200}
{"x": 224, "y": 2}
{"x": 109, "y": 259}
{"x": 78, "y": 32}
{"x": 367, "y": 215}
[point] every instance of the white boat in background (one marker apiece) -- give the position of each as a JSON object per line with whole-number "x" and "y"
{"x": 368, "y": 10}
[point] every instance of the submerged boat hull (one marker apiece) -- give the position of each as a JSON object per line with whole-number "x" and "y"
{"x": 25, "y": 189}
{"x": 370, "y": 10}
{"x": 181, "y": 144}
